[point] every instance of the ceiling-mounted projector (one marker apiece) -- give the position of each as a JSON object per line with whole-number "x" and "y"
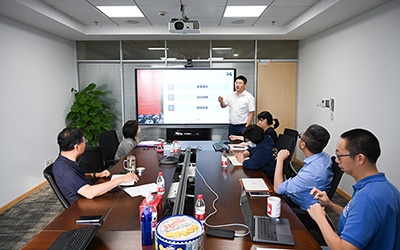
{"x": 177, "y": 25}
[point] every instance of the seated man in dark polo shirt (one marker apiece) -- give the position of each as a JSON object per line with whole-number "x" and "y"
{"x": 69, "y": 176}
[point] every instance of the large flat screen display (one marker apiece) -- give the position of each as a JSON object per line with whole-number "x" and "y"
{"x": 183, "y": 96}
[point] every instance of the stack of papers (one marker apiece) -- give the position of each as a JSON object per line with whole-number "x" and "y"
{"x": 254, "y": 184}
{"x": 142, "y": 190}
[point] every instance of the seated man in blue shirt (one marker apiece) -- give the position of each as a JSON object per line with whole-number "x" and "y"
{"x": 316, "y": 172}
{"x": 69, "y": 176}
{"x": 371, "y": 219}
{"x": 261, "y": 151}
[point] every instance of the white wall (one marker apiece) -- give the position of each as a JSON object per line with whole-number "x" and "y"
{"x": 37, "y": 71}
{"x": 358, "y": 64}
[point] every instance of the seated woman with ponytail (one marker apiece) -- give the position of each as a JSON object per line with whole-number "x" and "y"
{"x": 267, "y": 123}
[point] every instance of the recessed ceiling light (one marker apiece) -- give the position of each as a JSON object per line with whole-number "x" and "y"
{"x": 121, "y": 11}
{"x": 156, "y": 48}
{"x": 244, "y": 11}
{"x": 217, "y": 58}
{"x": 227, "y": 48}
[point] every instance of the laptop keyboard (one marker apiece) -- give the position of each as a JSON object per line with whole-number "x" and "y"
{"x": 76, "y": 239}
{"x": 266, "y": 229}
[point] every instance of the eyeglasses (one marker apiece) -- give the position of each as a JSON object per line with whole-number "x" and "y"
{"x": 339, "y": 156}
{"x": 85, "y": 140}
{"x": 302, "y": 139}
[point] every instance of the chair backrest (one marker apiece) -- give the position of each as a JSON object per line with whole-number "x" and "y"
{"x": 294, "y": 134}
{"x": 92, "y": 160}
{"x": 291, "y": 132}
{"x": 337, "y": 176}
{"x": 48, "y": 175}
{"x": 109, "y": 143}
{"x": 286, "y": 142}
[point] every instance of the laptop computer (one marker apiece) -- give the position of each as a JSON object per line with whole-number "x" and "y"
{"x": 264, "y": 228}
{"x": 78, "y": 239}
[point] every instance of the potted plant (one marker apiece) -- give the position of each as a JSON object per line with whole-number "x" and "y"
{"x": 89, "y": 113}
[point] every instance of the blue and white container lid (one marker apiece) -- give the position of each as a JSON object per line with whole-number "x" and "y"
{"x": 179, "y": 231}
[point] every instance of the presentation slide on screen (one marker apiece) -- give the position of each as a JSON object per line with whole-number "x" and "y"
{"x": 183, "y": 96}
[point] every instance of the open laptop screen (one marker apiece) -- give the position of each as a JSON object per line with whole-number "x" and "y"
{"x": 248, "y": 214}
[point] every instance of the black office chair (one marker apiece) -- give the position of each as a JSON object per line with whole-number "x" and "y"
{"x": 48, "y": 175}
{"x": 286, "y": 142}
{"x": 109, "y": 143}
{"x": 291, "y": 132}
{"x": 337, "y": 176}
{"x": 291, "y": 171}
{"x": 91, "y": 160}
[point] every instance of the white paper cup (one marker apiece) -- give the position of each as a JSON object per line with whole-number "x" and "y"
{"x": 274, "y": 206}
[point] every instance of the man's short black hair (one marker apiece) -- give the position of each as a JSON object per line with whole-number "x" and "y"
{"x": 316, "y": 138}
{"x": 361, "y": 141}
{"x": 68, "y": 138}
{"x": 241, "y": 77}
{"x": 254, "y": 133}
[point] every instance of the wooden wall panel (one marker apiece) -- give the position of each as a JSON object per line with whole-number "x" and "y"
{"x": 276, "y": 92}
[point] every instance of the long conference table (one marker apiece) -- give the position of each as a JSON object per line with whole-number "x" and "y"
{"x": 121, "y": 228}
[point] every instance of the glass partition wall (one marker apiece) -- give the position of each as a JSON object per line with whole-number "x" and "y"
{"x": 111, "y": 65}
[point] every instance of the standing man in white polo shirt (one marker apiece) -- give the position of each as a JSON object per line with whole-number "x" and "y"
{"x": 242, "y": 107}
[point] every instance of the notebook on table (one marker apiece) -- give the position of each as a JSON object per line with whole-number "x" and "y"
{"x": 254, "y": 184}
{"x": 123, "y": 184}
{"x": 234, "y": 161}
{"x": 264, "y": 228}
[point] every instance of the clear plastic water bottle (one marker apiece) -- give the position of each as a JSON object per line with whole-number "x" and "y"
{"x": 160, "y": 183}
{"x": 150, "y": 203}
{"x": 224, "y": 159}
{"x": 147, "y": 233}
{"x": 200, "y": 208}
{"x": 175, "y": 147}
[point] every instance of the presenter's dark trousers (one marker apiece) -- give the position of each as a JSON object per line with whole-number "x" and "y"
{"x": 236, "y": 129}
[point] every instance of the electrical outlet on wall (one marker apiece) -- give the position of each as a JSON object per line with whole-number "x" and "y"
{"x": 327, "y": 103}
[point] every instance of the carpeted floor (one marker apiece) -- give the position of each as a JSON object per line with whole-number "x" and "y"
{"x": 22, "y": 222}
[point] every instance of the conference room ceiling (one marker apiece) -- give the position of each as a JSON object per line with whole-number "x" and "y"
{"x": 282, "y": 19}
